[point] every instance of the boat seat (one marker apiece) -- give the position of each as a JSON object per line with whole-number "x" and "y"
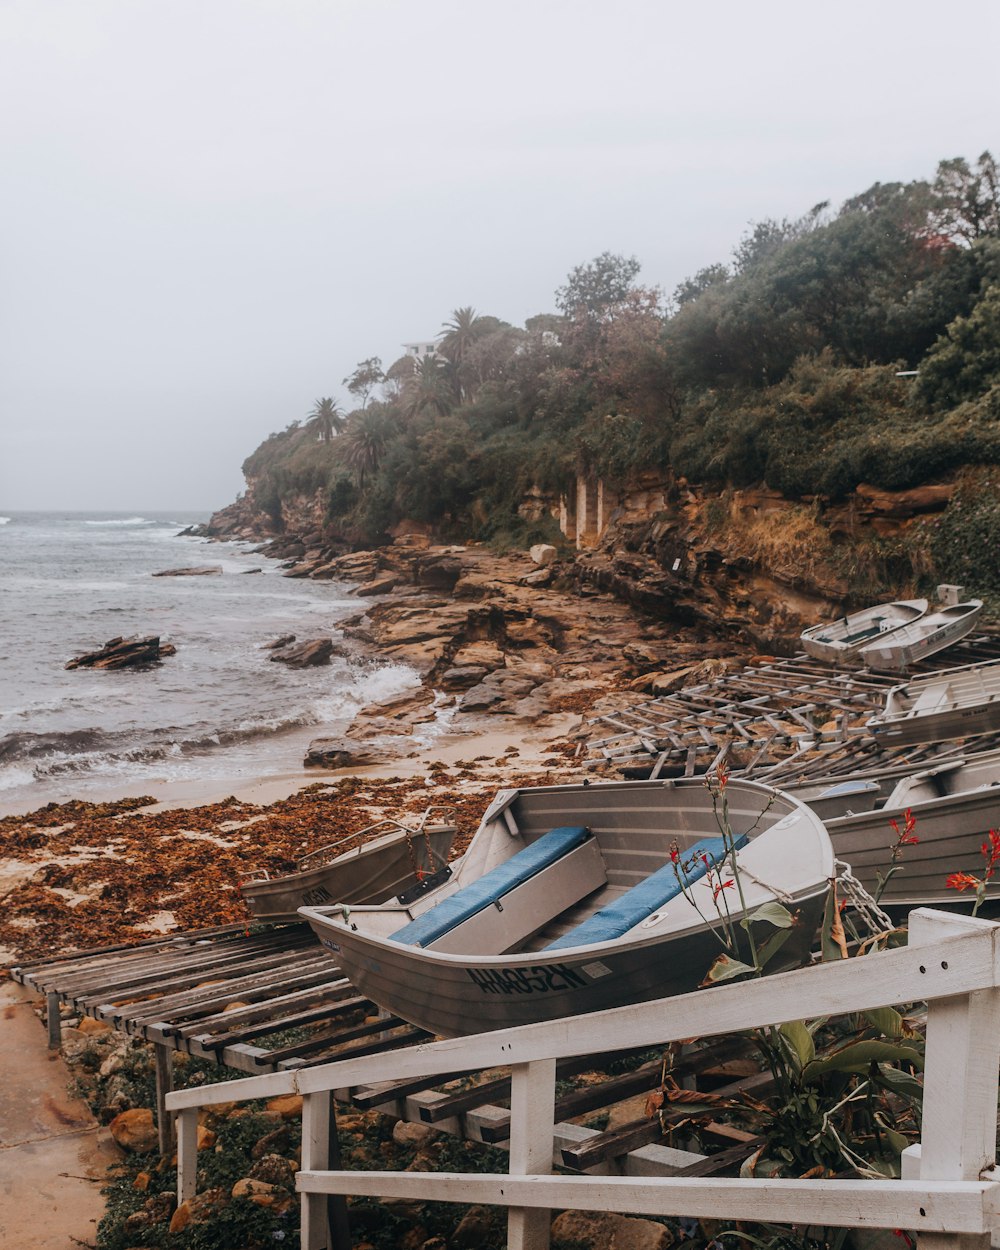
{"x": 870, "y": 631}
{"x": 491, "y": 886}
{"x": 633, "y": 907}
{"x": 932, "y": 698}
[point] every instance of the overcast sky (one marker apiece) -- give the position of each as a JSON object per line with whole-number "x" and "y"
{"x": 212, "y": 209}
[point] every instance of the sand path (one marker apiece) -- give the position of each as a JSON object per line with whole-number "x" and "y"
{"x": 53, "y": 1153}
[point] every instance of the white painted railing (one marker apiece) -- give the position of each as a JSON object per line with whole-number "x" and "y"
{"x": 950, "y": 1194}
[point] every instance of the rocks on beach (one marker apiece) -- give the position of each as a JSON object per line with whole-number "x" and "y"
{"x": 125, "y": 653}
{"x": 201, "y": 570}
{"x": 338, "y": 753}
{"x": 307, "y": 654}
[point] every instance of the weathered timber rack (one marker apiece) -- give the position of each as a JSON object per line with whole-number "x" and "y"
{"x": 949, "y": 1194}
{"x": 273, "y": 1000}
{"x": 764, "y": 717}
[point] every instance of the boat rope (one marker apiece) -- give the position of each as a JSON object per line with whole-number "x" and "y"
{"x": 776, "y": 890}
{"x": 863, "y": 903}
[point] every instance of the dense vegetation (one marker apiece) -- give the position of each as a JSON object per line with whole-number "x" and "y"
{"x": 781, "y": 366}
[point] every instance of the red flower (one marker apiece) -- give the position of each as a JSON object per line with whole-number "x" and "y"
{"x": 720, "y": 886}
{"x": 723, "y": 775}
{"x": 674, "y": 854}
{"x": 906, "y": 836}
{"x": 962, "y": 881}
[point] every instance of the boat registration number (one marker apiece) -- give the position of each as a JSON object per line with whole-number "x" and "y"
{"x": 542, "y": 979}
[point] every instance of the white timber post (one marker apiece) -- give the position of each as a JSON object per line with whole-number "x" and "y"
{"x": 962, "y": 1067}
{"x": 187, "y": 1153}
{"x": 315, "y": 1158}
{"x": 532, "y": 1119}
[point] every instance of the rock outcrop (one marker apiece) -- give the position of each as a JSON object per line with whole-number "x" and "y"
{"x": 307, "y": 654}
{"x": 125, "y": 653}
{"x": 200, "y": 570}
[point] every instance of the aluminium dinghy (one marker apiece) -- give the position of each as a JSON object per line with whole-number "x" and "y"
{"x": 377, "y": 863}
{"x": 841, "y": 640}
{"x": 900, "y": 648}
{"x": 576, "y": 898}
{"x": 954, "y": 703}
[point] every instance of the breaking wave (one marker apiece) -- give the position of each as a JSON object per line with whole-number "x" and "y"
{"x": 132, "y": 520}
{"x": 4, "y": 520}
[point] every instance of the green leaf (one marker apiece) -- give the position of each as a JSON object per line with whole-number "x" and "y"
{"x": 774, "y": 943}
{"x": 887, "y": 1020}
{"x": 859, "y": 1056}
{"x": 879, "y": 1165}
{"x": 903, "y": 1083}
{"x": 772, "y": 913}
{"x": 896, "y": 1140}
{"x": 800, "y": 1040}
{"x": 724, "y": 969}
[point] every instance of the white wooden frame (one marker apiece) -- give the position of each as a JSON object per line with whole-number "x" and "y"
{"x": 950, "y": 1194}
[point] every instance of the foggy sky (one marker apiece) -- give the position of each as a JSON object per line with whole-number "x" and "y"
{"x": 212, "y": 209}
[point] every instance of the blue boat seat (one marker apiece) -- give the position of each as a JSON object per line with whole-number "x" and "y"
{"x": 492, "y": 886}
{"x": 632, "y": 907}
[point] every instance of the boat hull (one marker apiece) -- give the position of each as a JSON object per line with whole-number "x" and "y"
{"x": 451, "y": 996}
{"x": 841, "y": 641}
{"x": 956, "y": 722}
{"x": 512, "y": 958}
{"x": 372, "y": 873}
{"x": 899, "y": 651}
{"x": 950, "y": 832}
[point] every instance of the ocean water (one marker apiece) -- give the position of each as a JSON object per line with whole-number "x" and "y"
{"x": 219, "y": 708}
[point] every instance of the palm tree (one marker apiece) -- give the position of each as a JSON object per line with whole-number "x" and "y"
{"x": 363, "y": 443}
{"x": 432, "y": 387}
{"x": 459, "y": 334}
{"x": 326, "y": 418}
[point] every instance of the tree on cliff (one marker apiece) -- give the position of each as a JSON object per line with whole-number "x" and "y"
{"x": 593, "y": 290}
{"x": 367, "y": 375}
{"x": 326, "y": 419}
{"x": 365, "y": 439}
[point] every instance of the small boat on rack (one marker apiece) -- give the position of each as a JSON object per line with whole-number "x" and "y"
{"x": 954, "y": 803}
{"x": 575, "y": 898}
{"x": 843, "y": 639}
{"x": 955, "y": 703}
{"x": 923, "y": 637}
{"x": 379, "y": 862}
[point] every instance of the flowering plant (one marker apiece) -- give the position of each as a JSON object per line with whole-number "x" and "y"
{"x": 904, "y": 837}
{"x": 961, "y": 881}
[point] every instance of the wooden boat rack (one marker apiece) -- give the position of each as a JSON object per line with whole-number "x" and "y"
{"x": 272, "y": 999}
{"x": 773, "y": 719}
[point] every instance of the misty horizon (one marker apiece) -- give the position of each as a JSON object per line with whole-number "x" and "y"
{"x": 217, "y": 210}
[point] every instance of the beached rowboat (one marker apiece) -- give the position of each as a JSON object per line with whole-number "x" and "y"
{"x": 378, "y": 867}
{"x": 954, "y": 805}
{"x": 956, "y": 703}
{"x": 923, "y": 637}
{"x": 569, "y": 900}
{"x": 843, "y": 639}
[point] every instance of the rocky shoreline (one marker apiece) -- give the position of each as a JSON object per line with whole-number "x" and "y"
{"x": 503, "y": 644}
